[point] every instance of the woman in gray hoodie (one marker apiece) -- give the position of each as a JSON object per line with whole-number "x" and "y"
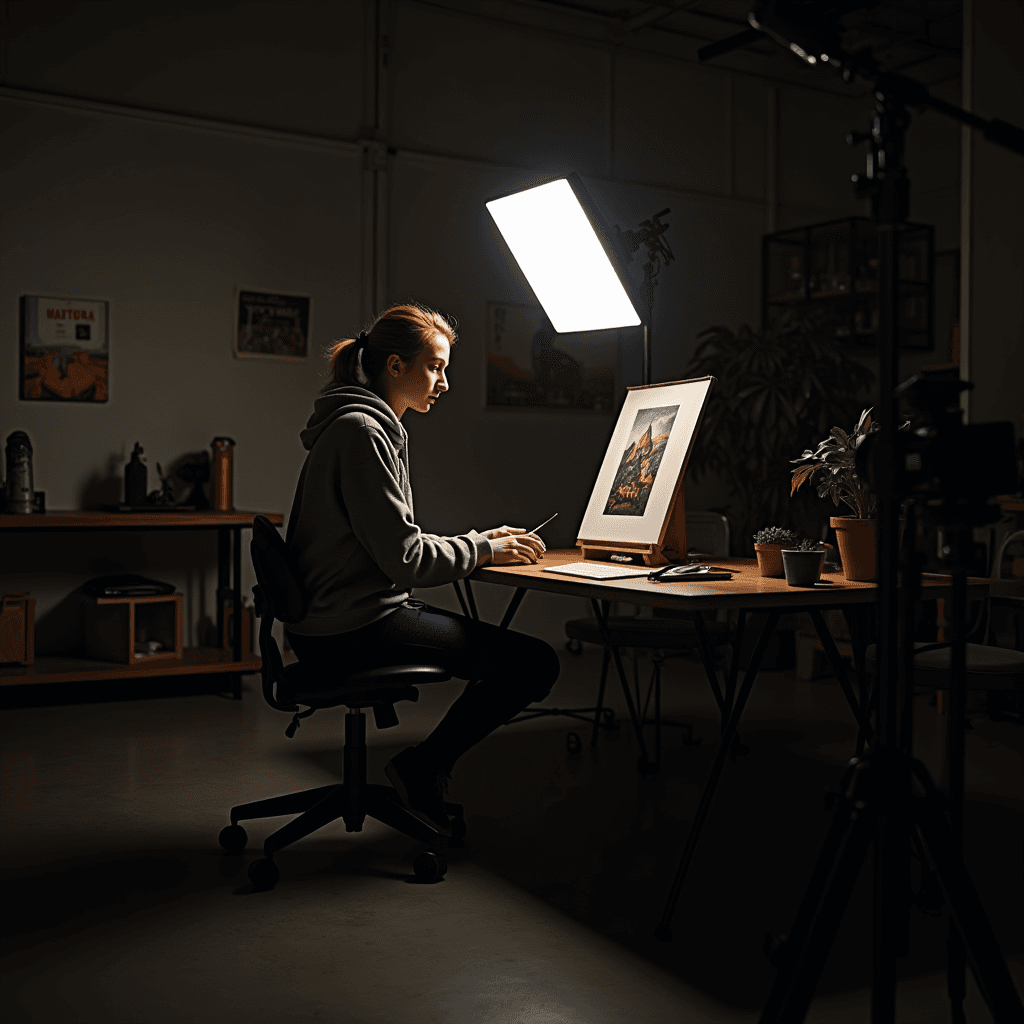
{"x": 354, "y": 535}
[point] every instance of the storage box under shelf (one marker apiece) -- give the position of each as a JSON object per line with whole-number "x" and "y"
{"x": 114, "y": 626}
{"x": 17, "y": 628}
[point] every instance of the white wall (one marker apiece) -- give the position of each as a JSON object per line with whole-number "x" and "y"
{"x": 111, "y": 194}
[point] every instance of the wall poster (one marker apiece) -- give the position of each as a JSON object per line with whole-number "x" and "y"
{"x": 529, "y": 365}
{"x": 64, "y": 350}
{"x": 271, "y": 325}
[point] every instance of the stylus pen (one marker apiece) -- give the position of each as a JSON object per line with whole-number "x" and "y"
{"x": 545, "y": 523}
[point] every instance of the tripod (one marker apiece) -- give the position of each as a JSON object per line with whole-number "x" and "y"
{"x": 879, "y": 806}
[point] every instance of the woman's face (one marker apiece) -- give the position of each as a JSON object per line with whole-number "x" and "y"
{"x": 417, "y": 385}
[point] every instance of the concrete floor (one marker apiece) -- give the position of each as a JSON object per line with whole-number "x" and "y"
{"x": 122, "y": 908}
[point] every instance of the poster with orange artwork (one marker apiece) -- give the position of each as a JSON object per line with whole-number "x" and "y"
{"x": 64, "y": 350}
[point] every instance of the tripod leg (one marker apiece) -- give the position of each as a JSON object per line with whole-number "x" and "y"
{"x": 972, "y": 924}
{"x": 664, "y": 928}
{"x": 821, "y": 910}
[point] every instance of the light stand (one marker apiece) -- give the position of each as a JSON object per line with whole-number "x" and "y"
{"x": 878, "y": 805}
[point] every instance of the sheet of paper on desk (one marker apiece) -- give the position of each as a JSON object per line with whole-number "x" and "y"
{"x": 597, "y": 571}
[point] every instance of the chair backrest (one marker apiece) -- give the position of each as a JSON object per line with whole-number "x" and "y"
{"x": 707, "y": 532}
{"x": 278, "y": 573}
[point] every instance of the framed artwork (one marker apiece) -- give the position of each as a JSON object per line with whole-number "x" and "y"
{"x": 529, "y": 365}
{"x": 271, "y": 325}
{"x": 64, "y": 350}
{"x": 645, "y": 462}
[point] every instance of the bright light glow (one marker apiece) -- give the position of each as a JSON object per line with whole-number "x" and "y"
{"x": 562, "y": 258}
{"x": 812, "y": 60}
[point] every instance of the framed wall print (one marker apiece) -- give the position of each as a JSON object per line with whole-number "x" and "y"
{"x": 529, "y": 365}
{"x": 271, "y": 325}
{"x": 64, "y": 350}
{"x": 641, "y": 475}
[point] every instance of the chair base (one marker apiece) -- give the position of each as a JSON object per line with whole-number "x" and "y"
{"x": 319, "y": 807}
{"x": 353, "y": 800}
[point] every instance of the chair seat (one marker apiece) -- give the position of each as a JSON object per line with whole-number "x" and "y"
{"x": 624, "y": 631}
{"x": 384, "y": 685}
{"x": 988, "y": 668}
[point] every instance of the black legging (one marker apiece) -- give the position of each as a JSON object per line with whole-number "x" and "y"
{"x": 513, "y": 669}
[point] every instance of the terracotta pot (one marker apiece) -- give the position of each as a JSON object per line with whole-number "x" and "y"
{"x": 769, "y": 559}
{"x": 856, "y": 539}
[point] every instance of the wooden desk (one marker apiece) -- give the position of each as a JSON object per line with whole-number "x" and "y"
{"x": 195, "y": 661}
{"x": 746, "y": 591}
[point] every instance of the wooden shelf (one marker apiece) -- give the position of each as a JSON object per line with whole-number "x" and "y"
{"x": 90, "y": 520}
{"x": 73, "y": 669}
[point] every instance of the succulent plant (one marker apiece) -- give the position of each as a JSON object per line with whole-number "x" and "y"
{"x": 810, "y": 545}
{"x": 774, "y": 535}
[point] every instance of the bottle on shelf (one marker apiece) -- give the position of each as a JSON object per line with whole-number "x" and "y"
{"x": 135, "y": 478}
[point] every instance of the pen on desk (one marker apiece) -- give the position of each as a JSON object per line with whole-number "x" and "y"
{"x": 545, "y": 523}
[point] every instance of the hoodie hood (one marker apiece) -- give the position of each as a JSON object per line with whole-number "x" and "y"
{"x": 338, "y": 401}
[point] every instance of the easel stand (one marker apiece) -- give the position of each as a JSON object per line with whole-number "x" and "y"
{"x": 671, "y": 546}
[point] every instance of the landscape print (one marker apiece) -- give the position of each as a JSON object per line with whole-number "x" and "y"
{"x": 529, "y": 365}
{"x": 638, "y": 469}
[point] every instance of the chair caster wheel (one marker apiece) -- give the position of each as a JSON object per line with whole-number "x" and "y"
{"x": 233, "y": 839}
{"x": 264, "y": 874}
{"x": 572, "y": 744}
{"x": 429, "y": 866}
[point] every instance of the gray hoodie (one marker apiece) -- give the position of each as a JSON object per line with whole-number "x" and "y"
{"x": 351, "y": 525}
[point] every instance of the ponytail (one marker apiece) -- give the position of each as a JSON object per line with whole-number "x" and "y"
{"x": 401, "y": 330}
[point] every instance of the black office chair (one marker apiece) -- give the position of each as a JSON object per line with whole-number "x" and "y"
{"x": 279, "y": 595}
{"x": 664, "y": 634}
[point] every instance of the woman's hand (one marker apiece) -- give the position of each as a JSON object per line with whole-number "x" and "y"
{"x": 512, "y": 545}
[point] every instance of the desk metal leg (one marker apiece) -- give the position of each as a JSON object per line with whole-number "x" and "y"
{"x": 643, "y": 762}
{"x": 472, "y": 600}
{"x": 513, "y": 607}
{"x": 836, "y": 663}
{"x": 734, "y": 664}
{"x": 664, "y": 929}
{"x": 462, "y": 600}
{"x": 708, "y": 657}
{"x": 857, "y": 621}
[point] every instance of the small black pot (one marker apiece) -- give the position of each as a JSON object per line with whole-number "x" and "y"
{"x": 802, "y": 568}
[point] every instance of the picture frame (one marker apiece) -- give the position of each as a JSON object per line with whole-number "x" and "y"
{"x": 641, "y": 475}
{"x": 529, "y": 365}
{"x": 272, "y": 325}
{"x": 64, "y": 349}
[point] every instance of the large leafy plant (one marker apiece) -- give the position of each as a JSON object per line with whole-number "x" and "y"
{"x": 833, "y": 466}
{"x": 776, "y": 392}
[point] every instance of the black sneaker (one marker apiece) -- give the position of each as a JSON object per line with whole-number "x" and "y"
{"x": 421, "y": 788}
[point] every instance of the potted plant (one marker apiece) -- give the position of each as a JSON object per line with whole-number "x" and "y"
{"x": 802, "y": 564}
{"x": 768, "y": 545}
{"x": 832, "y": 466}
{"x": 776, "y": 391}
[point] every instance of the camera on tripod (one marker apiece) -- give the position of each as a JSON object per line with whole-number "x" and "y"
{"x": 950, "y": 468}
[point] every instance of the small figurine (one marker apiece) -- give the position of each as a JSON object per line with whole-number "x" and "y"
{"x": 164, "y": 495}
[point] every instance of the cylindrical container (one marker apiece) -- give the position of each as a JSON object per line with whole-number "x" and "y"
{"x": 223, "y": 459}
{"x": 135, "y": 478}
{"x": 18, "y": 489}
{"x": 803, "y": 568}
